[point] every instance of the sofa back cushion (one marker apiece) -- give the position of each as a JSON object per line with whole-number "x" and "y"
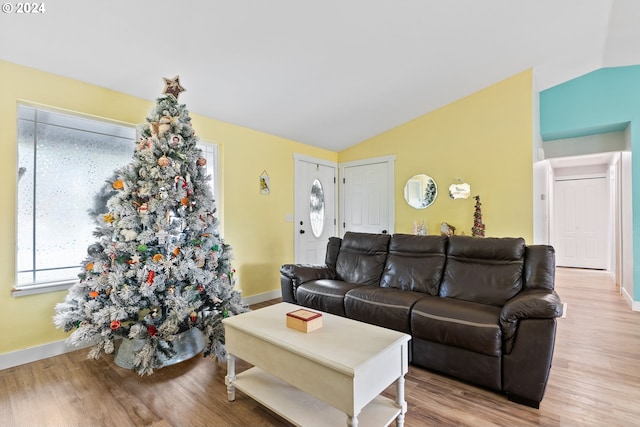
{"x": 415, "y": 263}
{"x": 333, "y": 249}
{"x": 484, "y": 270}
{"x": 539, "y": 267}
{"x": 361, "y": 258}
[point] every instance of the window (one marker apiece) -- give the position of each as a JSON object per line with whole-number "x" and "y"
{"x": 63, "y": 161}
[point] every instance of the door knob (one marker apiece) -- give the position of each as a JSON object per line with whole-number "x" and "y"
{"x": 301, "y": 231}
{"x": 384, "y": 231}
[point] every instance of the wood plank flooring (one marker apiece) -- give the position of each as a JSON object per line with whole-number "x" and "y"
{"x": 594, "y": 381}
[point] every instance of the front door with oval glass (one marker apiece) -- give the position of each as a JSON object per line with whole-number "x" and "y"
{"x": 315, "y": 215}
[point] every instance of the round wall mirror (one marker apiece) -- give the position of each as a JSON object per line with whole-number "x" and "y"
{"x": 420, "y": 191}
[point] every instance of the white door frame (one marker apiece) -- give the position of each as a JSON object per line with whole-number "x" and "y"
{"x": 297, "y": 181}
{"x": 390, "y": 160}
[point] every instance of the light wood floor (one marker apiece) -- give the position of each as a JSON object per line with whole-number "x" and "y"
{"x": 594, "y": 381}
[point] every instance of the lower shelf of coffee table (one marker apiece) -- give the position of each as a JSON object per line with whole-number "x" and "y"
{"x": 303, "y": 409}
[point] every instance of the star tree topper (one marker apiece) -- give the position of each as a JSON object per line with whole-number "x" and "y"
{"x": 172, "y": 87}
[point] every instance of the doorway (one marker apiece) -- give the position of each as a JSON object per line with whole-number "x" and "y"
{"x": 581, "y": 220}
{"x": 366, "y": 195}
{"x": 315, "y": 217}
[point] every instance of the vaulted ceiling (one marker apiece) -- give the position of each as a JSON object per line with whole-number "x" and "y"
{"x": 328, "y": 73}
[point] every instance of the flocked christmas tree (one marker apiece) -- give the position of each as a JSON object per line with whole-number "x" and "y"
{"x": 159, "y": 266}
{"x": 478, "y": 227}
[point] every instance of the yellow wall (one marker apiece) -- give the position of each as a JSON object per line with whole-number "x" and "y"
{"x": 254, "y": 225}
{"x": 485, "y": 139}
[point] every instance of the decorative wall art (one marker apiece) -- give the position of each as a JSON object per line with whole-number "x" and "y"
{"x": 459, "y": 190}
{"x": 265, "y": 183}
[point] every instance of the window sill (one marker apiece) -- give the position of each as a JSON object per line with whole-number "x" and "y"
{"x": 41, "y": 288}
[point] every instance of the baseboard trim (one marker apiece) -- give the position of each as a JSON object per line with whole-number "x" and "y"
{"x": 635, "y": 305}
{"x": 56, "y": 348}
{"x": 266, "y": 296}
{"x": 33, "y": 354}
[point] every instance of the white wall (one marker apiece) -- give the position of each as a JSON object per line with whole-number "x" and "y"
{"x": 591, "y": 144}
{"x": 542, "y": 191}
{"x": 626, "y": 221}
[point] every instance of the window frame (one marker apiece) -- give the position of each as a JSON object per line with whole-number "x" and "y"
{"x": 211, "y": 150}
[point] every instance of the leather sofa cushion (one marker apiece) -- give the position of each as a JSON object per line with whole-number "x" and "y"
{"x": 325, "y": 295}
{"x": 458, "y": 323}
{"x": 362, "y": 257}
{"x": 415, "y": 263}
{"x": 386, "y": 307}
{"x": 484, "y": 270}
{"x": 539, "y": 267}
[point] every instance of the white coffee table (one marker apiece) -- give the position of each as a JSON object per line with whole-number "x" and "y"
{"x": 315, "y": 379}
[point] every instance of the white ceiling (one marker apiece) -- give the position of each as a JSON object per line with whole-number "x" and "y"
{"x": 328, "y": 73}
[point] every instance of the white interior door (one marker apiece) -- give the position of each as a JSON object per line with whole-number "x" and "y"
{"x": 315, "y": 208}
{"x": 367, "y": 196}
{"x": 581, "y": 214}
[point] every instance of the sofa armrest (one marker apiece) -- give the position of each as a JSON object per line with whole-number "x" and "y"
{"x": 303, "y": 273}
{"x": 528, "y": 304}
{"x": 293, "y": 275}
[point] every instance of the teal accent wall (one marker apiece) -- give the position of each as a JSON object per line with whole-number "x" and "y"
{"x": 601, "y": 101}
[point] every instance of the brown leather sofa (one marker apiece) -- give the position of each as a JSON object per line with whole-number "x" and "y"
{"x": 482, "y": 310}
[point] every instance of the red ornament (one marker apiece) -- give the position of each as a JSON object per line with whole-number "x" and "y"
{"x": 193, "y": 316}
{"x": 152, "y": 274}
{"x": 115, "y": 325}
{"x": 93, "y": 294}
{"x": 200, "y": 288}
{"x": 152, "y": 330}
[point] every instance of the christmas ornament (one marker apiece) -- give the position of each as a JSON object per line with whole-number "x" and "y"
{"x": 109, "y": 218}
{"x": 193, "y": 316}
{"x": 95, "y": 249}
{"x": 142, "y": 248}
{"x": 164, "y": 125}
{"x": 163, "y": 193}
{"x": 172, "y": 87}
{"x": 157, "y": 257}
{"x": 89, "y": 266}
{"x": 164, "y": 161}
{"x": 115, "y": 325}
{"x": 152, "y": 330}
{"x": 143, "y": 208}
{"x": 129, "y": 235}
{"x": 94, "y": 294}
{"x": 201, "y": 161}
{"x": 118, "y": 184}
{"x": 152, "y": 274}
